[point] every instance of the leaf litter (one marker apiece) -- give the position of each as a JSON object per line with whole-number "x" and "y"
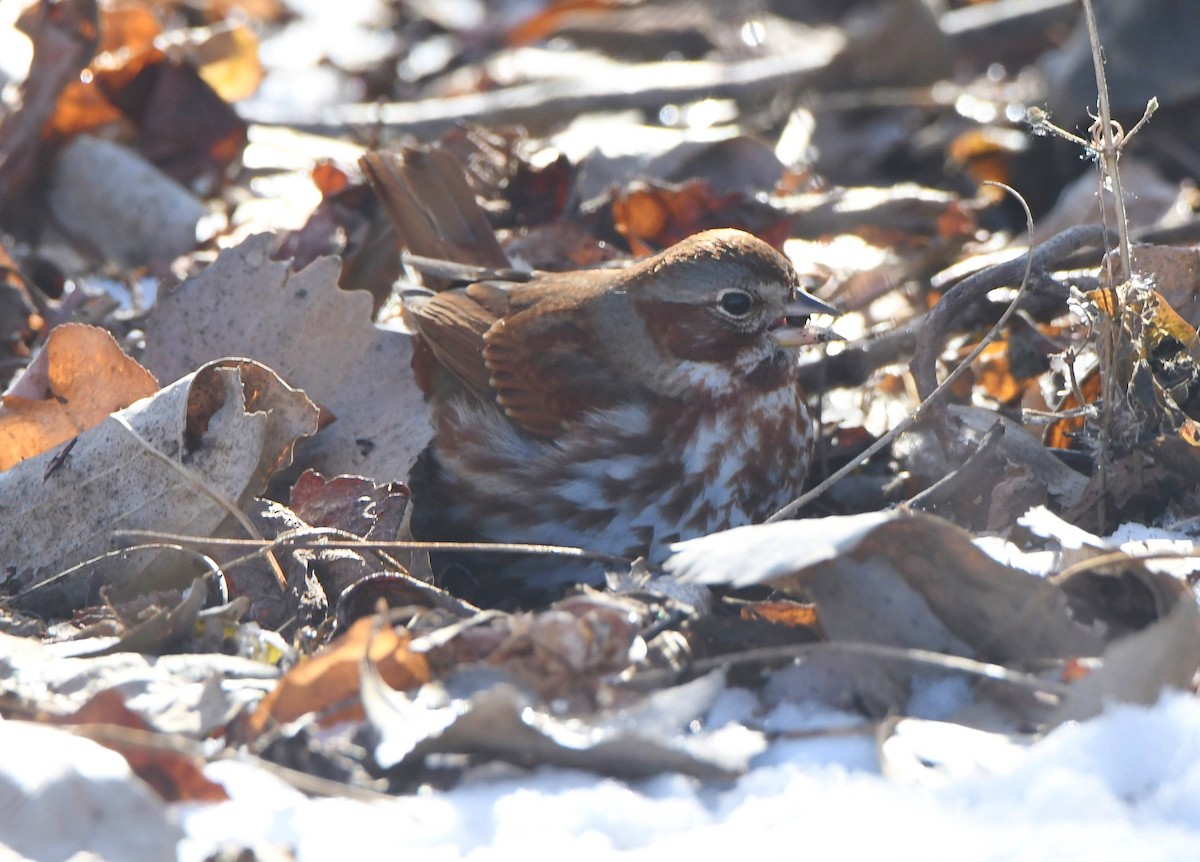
{"x": 204, "y": 511}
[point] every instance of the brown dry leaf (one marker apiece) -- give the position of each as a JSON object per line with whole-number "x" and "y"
{"x": 263, "y": 11}
{"x": 1139, "y": 667}
{"x": 1164, "y": 321}
{"x": 173, "y": 463}
{"x": 352, "y": 504}
{"x": 184, "y": 127}
{"x": 317, "y": 336}
{"x": 899, "y": 579}
{"x": 559, "y": 653}
{"x": 994, "y": 376}
{"x": 77, "y": 379}
{"x": 1175, "y": 274}
{"x": 332, "y": 676}
{"x": 81, "y": 108}
{"x": 329, "y": 178}
{"x": 126, "y": 30}
{"x": 175, "y": 775}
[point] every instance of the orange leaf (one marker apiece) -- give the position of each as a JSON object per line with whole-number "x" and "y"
{"x": 1060, "y": 434}
{"x": 78, "y": 378}
{"x": 783, "y": 612}
{"x": 326, "y": 681}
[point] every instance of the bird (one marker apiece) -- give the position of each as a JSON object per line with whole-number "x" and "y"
{"x": 617, "y": 410}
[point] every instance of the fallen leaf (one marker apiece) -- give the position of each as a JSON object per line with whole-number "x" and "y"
{"x": 316, "y": 336}
{"x": 483, "y": 713}
{"x": 328, "y": 683}
{"x": 905, "y": 580}
{"x": 172, "y": 463}
{"x": 77, "y": 379}
{"x": 175, "y": 775}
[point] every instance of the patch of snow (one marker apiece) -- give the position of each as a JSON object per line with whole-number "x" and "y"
{"x": 1120, "y": 787}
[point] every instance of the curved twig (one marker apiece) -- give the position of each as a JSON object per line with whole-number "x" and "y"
{"x": 931, "y": 400}
{"x": 974, "y": 289}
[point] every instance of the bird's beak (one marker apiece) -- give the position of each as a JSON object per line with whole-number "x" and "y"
{"x": 793, "y": 330}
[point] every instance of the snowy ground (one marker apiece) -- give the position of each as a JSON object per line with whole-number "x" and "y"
{"x": 1121, "y": 787}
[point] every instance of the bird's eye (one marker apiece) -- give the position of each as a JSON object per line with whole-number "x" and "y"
{"x": 736, "y": 303}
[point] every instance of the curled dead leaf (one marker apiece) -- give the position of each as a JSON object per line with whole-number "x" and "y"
{"x": 77, "y": 379}
{"x": 165, "y": 464}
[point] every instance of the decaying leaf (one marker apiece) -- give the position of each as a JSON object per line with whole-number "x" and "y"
{"x": 316, "y": 336}
{"x": 481, "y": 712}
{"x": 899, "y": 579}
{"x": 175, "y": 463}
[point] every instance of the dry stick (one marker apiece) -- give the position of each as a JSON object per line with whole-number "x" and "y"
{"x": 1108, "y": 151}
{"x": 790, "y": 652}
{"x": 180, "y": 547}
{"x": 972, "y": 289}
{"x": 791, "y": 508}
{"x": 942, "y": 490}
{"x": 641, "y": 85}
{"x": 300, "y": 539}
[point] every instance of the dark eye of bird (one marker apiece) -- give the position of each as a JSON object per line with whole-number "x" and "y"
{"x": 736, "y": 302}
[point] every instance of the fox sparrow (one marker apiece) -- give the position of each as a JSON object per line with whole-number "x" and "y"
{"x": 615, "y": 410}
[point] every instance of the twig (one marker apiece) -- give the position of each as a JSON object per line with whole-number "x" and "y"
{"x": 971, "y": 290}
{"x": 942, "y": 490}
{"x": 209, "y": 563}
{"x": 790, "y": 652}
{"x": 314, "y": 538}
{"x": 642, "y": 85}
{"x": 1108, "y": 139}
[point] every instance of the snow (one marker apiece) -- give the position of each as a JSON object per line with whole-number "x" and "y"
{"x": 1120, "y": 787}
